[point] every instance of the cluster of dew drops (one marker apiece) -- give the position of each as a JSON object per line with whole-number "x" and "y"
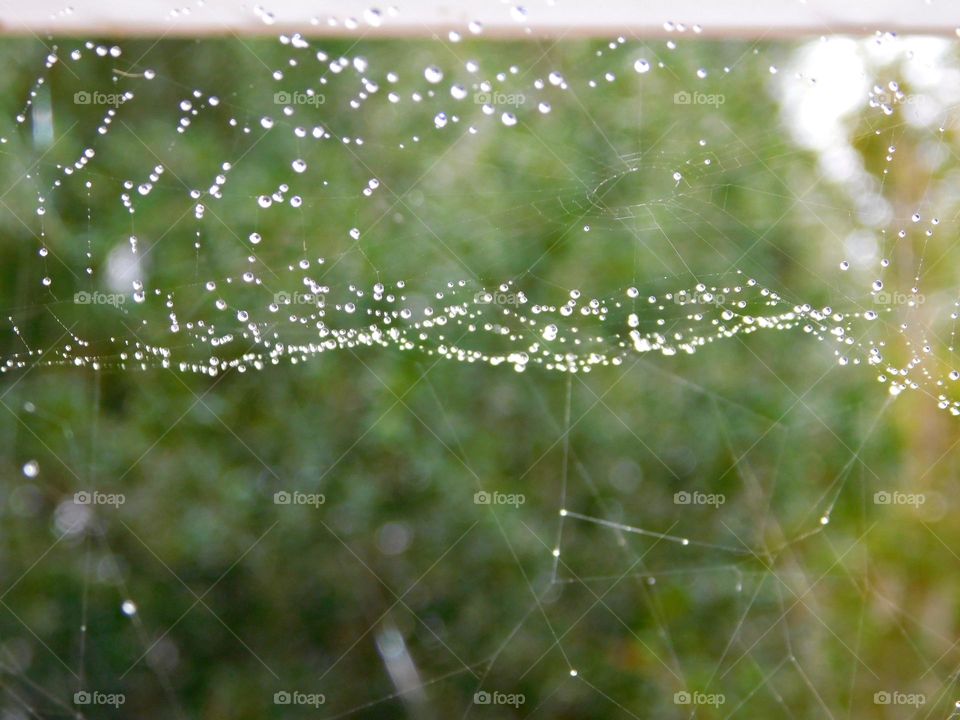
{"x": 464, "y": 322}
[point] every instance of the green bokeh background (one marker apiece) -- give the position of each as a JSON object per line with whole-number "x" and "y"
{"x": 239, "y": 598}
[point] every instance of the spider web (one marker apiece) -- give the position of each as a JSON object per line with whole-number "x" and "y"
{"x": 593, "y": 215}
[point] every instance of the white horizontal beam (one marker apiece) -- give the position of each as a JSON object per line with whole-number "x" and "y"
{"x": 500, "y": 19}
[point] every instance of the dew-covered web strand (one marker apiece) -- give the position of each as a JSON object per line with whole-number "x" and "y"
{"x": 644, "y": 577}
{"x": 461, "y": 457}
{"x": 558, "y": 545}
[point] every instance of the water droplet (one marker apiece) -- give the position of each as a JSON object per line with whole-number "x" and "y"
{"x": 518, "y": 13}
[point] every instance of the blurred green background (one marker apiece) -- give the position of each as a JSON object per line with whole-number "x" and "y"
{"x": 400, "y": 596}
